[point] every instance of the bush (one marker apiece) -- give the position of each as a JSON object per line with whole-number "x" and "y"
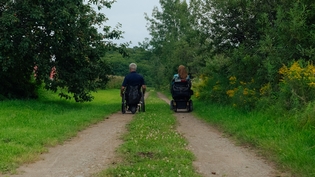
{"x": 297, "y": 86}
{"x": 210, "y": 88}
{"x": 114, "y": 82}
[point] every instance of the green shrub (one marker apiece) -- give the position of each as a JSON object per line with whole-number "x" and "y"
{"x": 115, "y": 82}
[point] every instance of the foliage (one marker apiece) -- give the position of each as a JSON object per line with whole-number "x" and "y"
{"x": 47, "y": 34}
{"x": 248, "y": 40}
{"x": 119, "y": 65}
{"x": 114, "y": 82}
{"x": 210, "y": 89}
{"x": 172, "y": 40}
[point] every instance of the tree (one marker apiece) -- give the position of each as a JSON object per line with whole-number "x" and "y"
{"x": 172, "y": 33}
{"x": 54, "y": 33}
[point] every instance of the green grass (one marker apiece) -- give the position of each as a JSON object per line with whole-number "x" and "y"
{"x": 152, "y": 147}
{"x": 28, "y": 127}
{"x": 279, "y": 139}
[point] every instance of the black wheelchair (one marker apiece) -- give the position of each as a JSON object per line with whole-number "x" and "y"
{"x": 133, "y": 100}
{"x": 181, "y": 94}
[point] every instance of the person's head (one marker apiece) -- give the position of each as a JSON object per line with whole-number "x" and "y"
{"x": 132, "y": 67}
{"x": 182, "y": 72}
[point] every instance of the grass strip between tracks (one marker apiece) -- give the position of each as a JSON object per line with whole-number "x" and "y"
{"x": 152, "y": 147}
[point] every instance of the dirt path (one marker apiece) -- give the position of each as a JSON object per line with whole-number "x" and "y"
{"x": 91, "y": 151}
{"x": 94, "y": 149}
{"x": 216, "y": 155}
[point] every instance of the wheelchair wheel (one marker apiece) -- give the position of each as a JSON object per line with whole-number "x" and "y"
{"x": 190, "y": 106}
{"x": 142, "y": 104}
{"x": 123, "y": 104}
{"x": 173, "y": 106}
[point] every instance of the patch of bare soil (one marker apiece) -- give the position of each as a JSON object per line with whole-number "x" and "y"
{"x": 217, "y": 155}
{"x": 93, "y": 150}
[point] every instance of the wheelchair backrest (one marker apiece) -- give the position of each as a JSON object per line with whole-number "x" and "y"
{"x": 134, "y": 94}
{"x": 181, "y": 85}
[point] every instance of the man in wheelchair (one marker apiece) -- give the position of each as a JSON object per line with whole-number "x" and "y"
{"x": 131, "y": 90}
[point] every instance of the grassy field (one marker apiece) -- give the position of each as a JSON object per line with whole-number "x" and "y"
{"x": 152, "y": 147}
{"x": 28, "y": 127}
{"x": 277, "y": 137}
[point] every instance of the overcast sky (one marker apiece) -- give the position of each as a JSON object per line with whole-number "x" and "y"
{"x": 130, "y": 13}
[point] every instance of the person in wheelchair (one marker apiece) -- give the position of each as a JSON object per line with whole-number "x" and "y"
{"x": 181, "y": 84}
{"x": 181, "y": 90}
{"x": 131, "y": 82}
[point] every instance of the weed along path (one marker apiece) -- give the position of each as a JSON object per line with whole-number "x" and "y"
{"x": 89, "y": 152}
{"x": 216, "y": 155}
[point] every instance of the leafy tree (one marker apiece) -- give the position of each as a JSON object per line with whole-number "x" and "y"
{"x": 53, "y": 33}
{"x": 172, "y": 34}
{"x": 139, "y": 55}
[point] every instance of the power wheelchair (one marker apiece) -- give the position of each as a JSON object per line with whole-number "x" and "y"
{"x": 181, "y": 94}
{"x": 133, "y": 100}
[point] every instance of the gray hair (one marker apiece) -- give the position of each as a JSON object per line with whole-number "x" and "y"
{"x": 133, "y": 66}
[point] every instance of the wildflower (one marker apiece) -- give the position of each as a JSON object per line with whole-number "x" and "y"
{"x": 283, "y": 70}
{"x": 245, "y": 91}
{"x": 232, "y": 80}
{"x": 230, "y": 93}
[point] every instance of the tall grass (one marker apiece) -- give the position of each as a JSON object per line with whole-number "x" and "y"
{"x": 28, "y": 127}
{"x": 152, "y": 146}
{"x": 280, "y": 139}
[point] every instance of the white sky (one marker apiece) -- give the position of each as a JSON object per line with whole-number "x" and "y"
{"x": 130, "y": 13}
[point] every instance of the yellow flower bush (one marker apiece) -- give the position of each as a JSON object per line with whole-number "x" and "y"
{"x": 298, "y": 83}
{"x": 297, "y": 72}
{"x": 242, "y": 95}
{"x": 208, "y": 88}
{"x": 199, "y": 84}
